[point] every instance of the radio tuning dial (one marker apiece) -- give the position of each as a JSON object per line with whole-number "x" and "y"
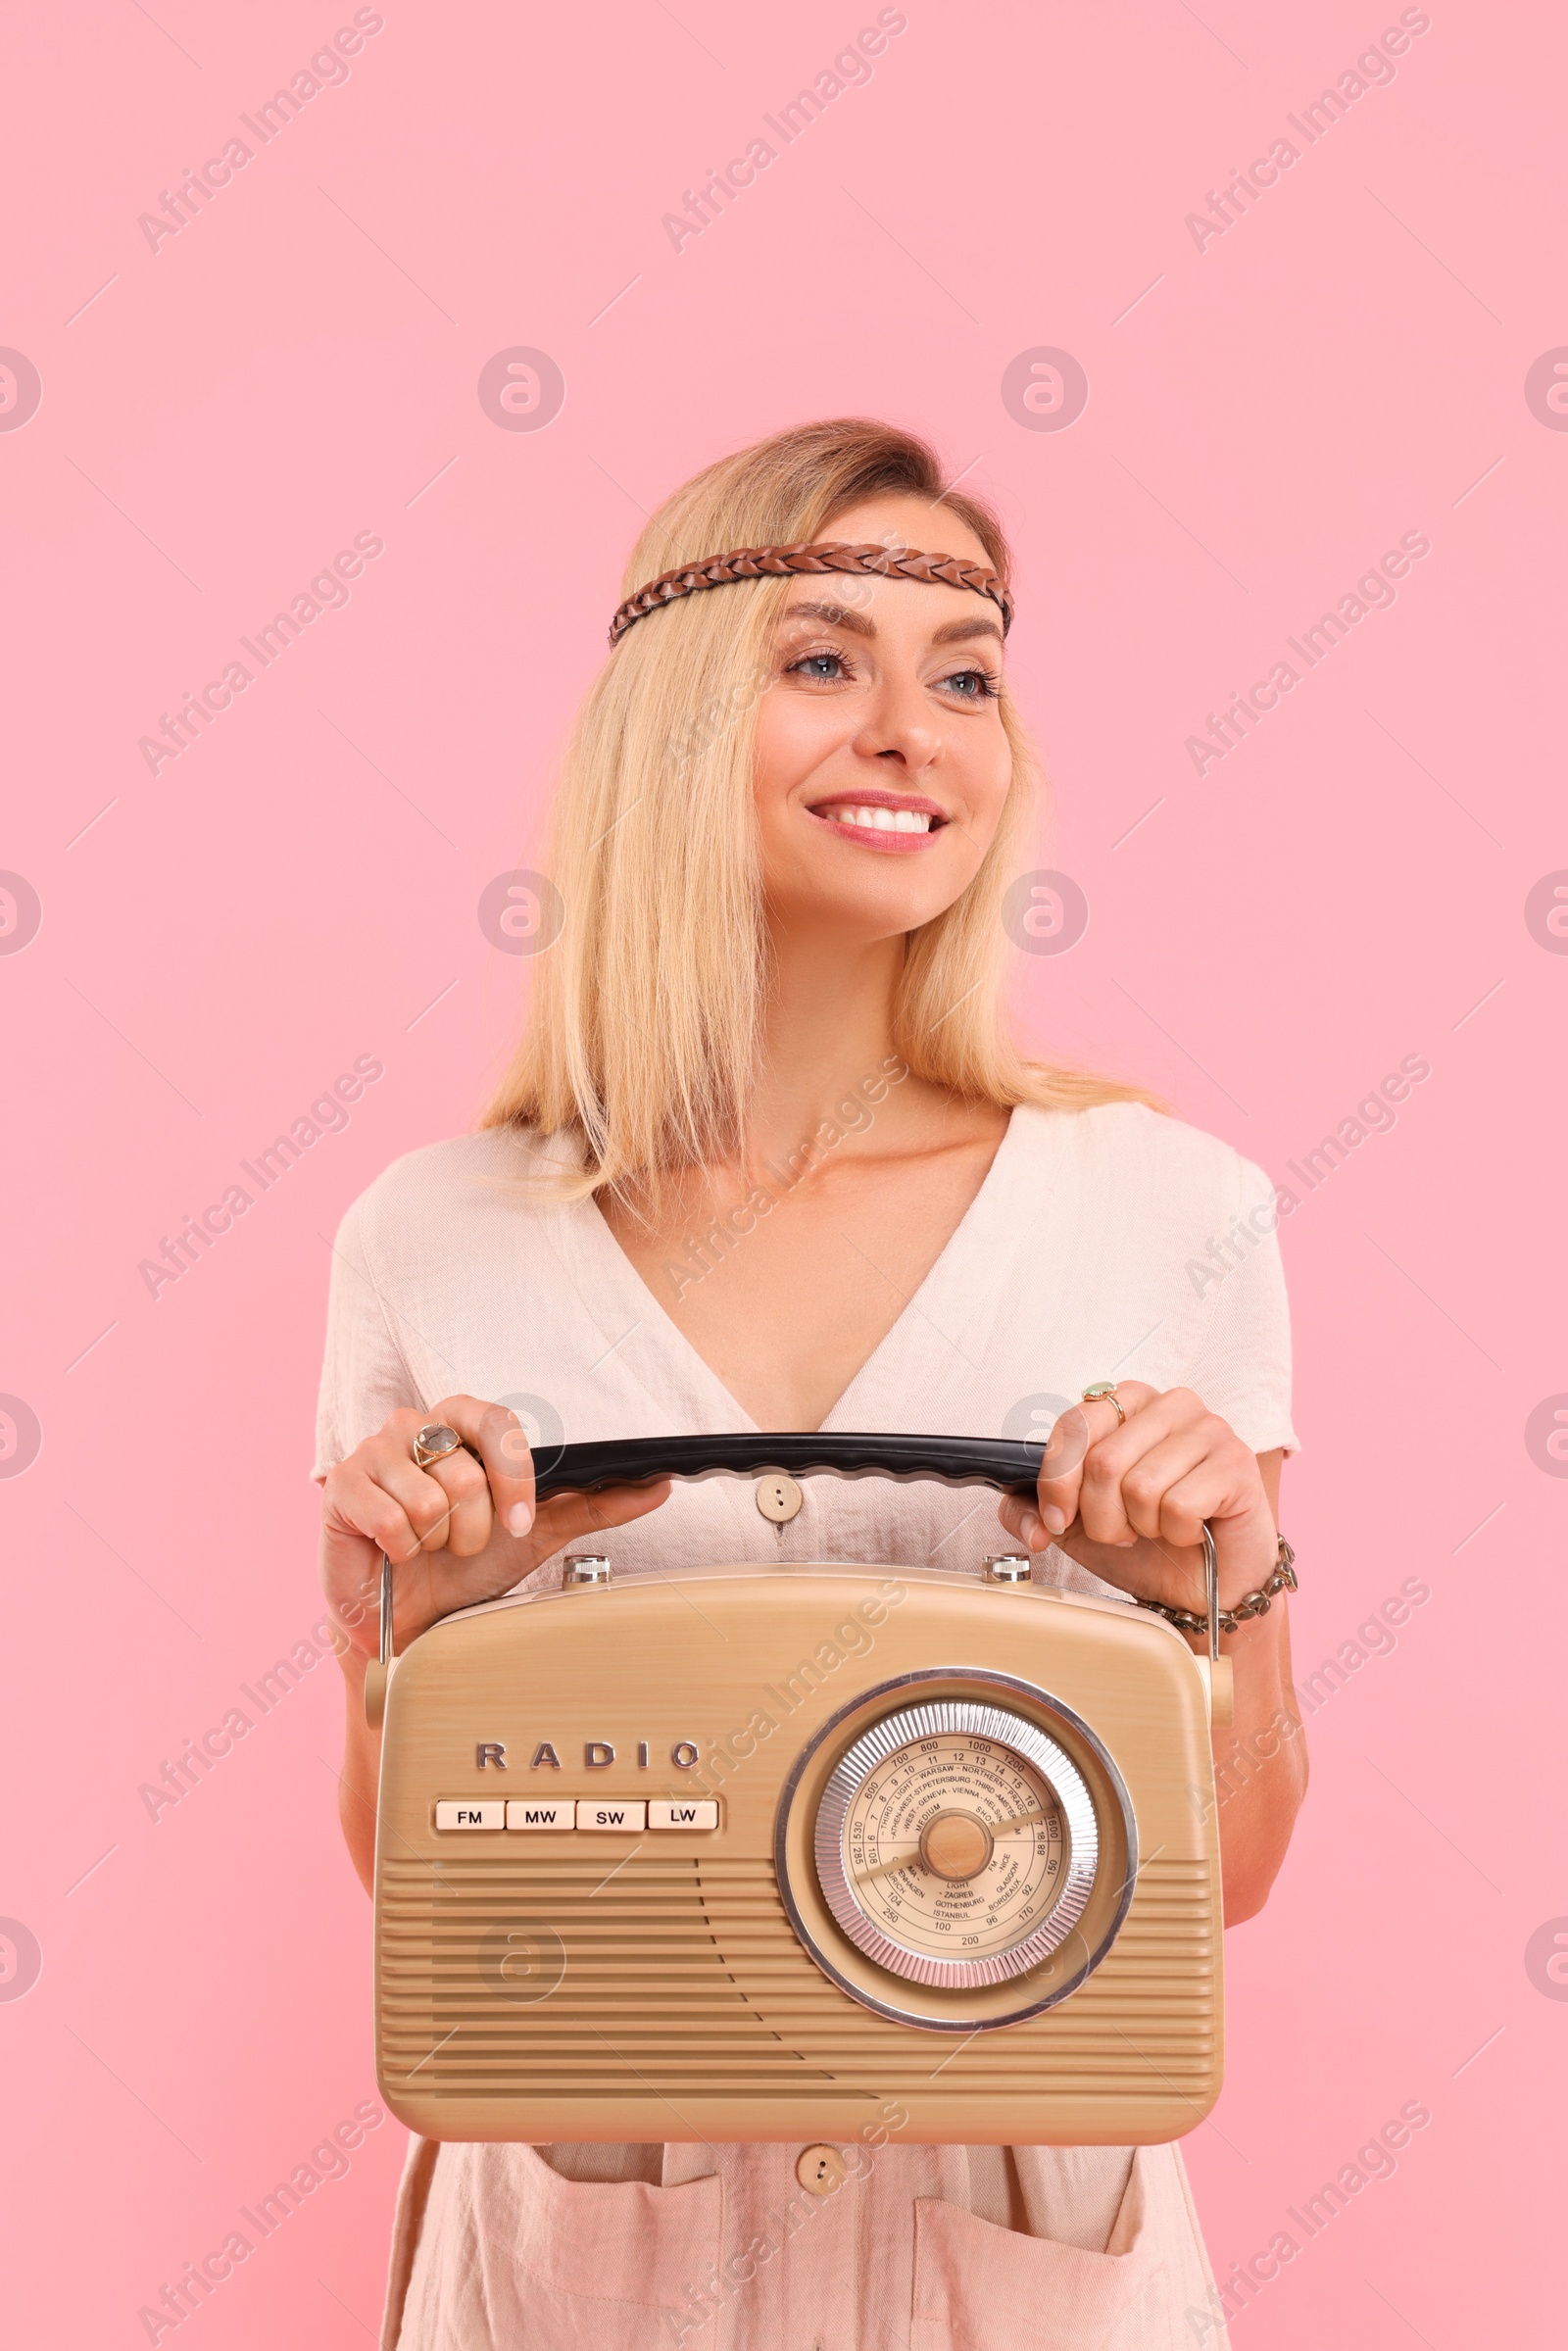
{"x": 957, "y": 1844}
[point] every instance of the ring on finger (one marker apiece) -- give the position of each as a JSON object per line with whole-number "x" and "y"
{"x": 1103, "y": 1392}
{"x": 435, "y": 1441}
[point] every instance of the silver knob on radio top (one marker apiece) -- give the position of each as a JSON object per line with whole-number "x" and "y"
{"x": 1007, "y": 1567}
{"x": 586, "y": 1567}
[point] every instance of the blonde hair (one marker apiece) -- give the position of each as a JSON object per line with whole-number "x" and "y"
{"x": 644, "y": 1029}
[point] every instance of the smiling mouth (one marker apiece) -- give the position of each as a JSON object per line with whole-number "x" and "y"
{"x": 881, "y": 823}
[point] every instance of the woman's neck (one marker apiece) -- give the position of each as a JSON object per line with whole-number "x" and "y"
{"x": 830, "y": 1077}
{"x": 827, "y": 1029}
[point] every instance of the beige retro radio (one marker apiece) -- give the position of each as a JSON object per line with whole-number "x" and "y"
{"x": 777, "y": 1855}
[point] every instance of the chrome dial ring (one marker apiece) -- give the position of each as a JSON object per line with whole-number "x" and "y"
{"x": 957, "y": 1747}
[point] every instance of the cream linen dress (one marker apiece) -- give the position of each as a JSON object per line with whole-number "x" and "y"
{"x": 1084, "y": 1256}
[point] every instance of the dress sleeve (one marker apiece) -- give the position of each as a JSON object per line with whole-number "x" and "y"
{"x": 1241, "y": 1366}
{"x": 364, "y": 1376}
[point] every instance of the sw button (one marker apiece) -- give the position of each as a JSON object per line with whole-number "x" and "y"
{"x": 613, "y": 1816}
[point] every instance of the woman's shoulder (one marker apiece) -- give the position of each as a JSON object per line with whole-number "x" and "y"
{"x": 1129, "y": 1151}
{"x": 432, "y": 1196}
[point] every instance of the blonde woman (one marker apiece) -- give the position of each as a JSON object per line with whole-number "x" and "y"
{"x": 769, "y": 1157}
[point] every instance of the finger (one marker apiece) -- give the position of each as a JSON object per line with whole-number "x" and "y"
{"x": 1150, "y": 1417}
{"x": 1218, "y": 1489}
{"x": 501, "y": 1443}
{"x": 427, "y": 1495}
{"x": 1192, "y": 1447}
{"x": 388, "y": 1459}
{"x": 463, "y": 1482}
{"x": 1102, "y": 1503}
{"x": 1013, "y": 1511}
{"x": 566, "y": 1517}
{"x": 357, "y": 1499}
{"x": 349, "y": 1562}
{"x": 1076, "y": 1433}
{"x": 422, "y": 1498}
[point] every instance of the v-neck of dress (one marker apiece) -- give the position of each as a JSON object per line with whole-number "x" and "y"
{"x": 608, "y": 1273}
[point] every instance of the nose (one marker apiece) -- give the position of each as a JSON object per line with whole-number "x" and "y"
{"x": 899, "y": 728}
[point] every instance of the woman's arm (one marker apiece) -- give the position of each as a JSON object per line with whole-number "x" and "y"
{"x": 361, "y": 1773}
{"x": 1128, "y": 1499}
{"x": 1261, "y": 1760}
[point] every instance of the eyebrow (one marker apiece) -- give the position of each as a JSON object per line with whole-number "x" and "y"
{"x": 956, "y": 630}
{"x": 839, "y": 616}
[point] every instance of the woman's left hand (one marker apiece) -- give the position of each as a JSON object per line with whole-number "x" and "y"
{"x": 1127, "y": 1499}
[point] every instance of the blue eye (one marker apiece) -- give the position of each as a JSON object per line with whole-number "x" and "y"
{"x": 817, "y": 666}
{"x": 974, "y": 685}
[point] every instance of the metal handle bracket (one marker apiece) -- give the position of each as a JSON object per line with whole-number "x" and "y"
{"x": 376, "y": 1672}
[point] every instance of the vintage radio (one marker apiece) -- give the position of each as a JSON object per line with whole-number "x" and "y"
{"x": 778, "y": 1854}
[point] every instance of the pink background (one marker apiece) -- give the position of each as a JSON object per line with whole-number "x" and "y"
{"x": 1265, "y": 416}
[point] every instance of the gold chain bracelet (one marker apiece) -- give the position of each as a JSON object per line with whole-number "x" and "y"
{"x": 1252, "y": 1603}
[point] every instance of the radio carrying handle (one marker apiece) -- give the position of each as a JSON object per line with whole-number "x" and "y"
{"x": 1011, "y": 1464}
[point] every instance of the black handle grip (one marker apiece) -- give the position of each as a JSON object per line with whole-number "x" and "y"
{"x": 1011, "y": 1464}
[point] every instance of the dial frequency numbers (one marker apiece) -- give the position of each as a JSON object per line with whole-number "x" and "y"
{"x": 955, "y": 1847}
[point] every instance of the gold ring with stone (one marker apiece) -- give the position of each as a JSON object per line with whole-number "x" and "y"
{"x": 434, "y": 1442}
{"x": 1103, "y": 1392}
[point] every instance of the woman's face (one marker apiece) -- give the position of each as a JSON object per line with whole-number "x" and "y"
{"x": 881, "y": 761}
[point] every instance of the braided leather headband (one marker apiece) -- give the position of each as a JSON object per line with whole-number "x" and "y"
{"x": 828, "y": 555}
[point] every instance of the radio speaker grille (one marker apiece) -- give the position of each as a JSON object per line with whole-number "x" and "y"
{"x": 685, "y": 1975}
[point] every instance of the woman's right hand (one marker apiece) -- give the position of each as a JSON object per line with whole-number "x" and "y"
{"x": 460, "y": 1531}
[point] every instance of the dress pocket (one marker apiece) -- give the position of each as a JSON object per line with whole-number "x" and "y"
{"x": 515, "y": 2257}
{"x": 978, "y": 2287}
{"x": 615, "y": 2245}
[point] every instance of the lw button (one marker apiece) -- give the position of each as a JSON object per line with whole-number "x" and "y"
{"x": 821, "y": 2170}
{"x": 664, "y": 1814}
{"x": 778, "y": 1498}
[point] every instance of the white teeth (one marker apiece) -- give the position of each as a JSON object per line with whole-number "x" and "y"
{"x": 881, "y": 819}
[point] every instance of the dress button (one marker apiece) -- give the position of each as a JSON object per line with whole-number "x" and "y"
{"x": 821, "y": 2170}
{"x": 778, "y": 1497}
